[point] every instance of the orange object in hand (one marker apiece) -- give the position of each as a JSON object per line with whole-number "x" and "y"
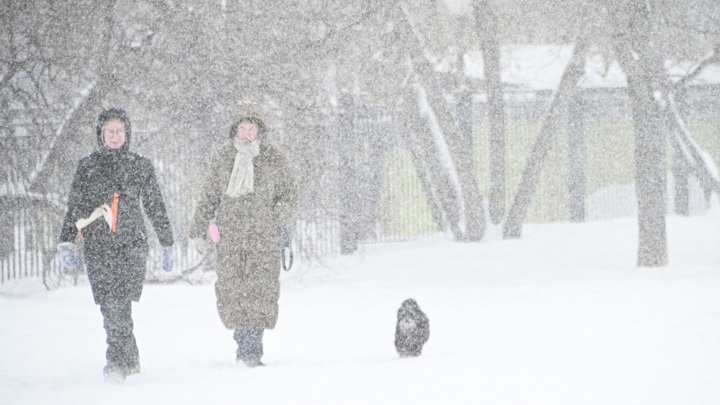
{"x": 114, "y": 211}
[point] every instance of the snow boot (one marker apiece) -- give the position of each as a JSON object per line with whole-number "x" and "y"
{"x": 114, "y": 374}
{"x": 252, "y": 363}
{"x": 134, "y": 369}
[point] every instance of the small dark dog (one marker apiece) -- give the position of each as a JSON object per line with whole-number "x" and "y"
{"x": 412, "y": 330}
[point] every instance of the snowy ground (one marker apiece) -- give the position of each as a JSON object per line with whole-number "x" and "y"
{"x": 561, "y": 316}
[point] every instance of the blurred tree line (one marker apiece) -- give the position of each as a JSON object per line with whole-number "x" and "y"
{"x": 179, "y": 67}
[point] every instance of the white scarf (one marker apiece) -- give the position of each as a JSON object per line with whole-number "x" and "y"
{"x": 243, "y": 172}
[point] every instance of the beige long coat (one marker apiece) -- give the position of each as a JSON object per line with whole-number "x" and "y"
{"x": 248, "y": 255}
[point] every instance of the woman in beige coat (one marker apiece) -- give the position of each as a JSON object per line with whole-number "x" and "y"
{"x": 248, "y": 195}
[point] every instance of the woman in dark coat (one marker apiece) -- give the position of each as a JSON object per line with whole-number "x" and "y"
{"x": 104, "y": 208}
{"x": 249, "y": 194}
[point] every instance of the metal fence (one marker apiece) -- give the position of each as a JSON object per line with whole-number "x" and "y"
{"x": 28, "y": 245}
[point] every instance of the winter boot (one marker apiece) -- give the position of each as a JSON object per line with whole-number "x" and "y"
{"x": 114, "y": 374}
{"x": 135, "y": 369}
{"x": 250, "y": 346}
{"x": 252, "y": 363}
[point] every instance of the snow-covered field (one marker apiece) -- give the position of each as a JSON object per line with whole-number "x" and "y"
{"x": 561, "y": 316}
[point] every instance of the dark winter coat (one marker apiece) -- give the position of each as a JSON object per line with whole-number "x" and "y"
{"x": 116, "y": 262}
{"x": 248, "y": 254}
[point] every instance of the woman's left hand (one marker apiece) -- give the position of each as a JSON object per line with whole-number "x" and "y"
{"x": 214, "y": 232}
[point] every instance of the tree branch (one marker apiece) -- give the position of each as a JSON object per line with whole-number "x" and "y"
{"x": 698, "y": 68}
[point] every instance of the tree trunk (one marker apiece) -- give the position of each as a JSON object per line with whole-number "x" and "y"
{"x": 633, "y": 53}
{"x": 681, "y": 175}
{"x": 487, "y": 27}
{"x": 424, "y": 176}
{"x": 531, "y": 174}
{"x": 348, "y": 196}
{"x": 650, "y": 180}
{"x": 695, "y": 158}
{"x": 576, "y": 158}
{"x": 681, "y": 167}
{"x": 438, "y": 185}
{"x": 460, "y": 148}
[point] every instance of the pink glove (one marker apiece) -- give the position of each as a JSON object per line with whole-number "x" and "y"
{"x": 214, "y": 232}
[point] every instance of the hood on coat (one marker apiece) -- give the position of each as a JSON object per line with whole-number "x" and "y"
{"x": 249, "y": 111}
{"x": 109, "y": 115}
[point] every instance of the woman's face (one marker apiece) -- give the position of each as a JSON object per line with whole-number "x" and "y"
{"x": 114, "y": 134}
{"x": 247, "y": 131}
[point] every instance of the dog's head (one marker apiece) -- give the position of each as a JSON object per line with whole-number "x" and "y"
{"x": 409, "y": 311}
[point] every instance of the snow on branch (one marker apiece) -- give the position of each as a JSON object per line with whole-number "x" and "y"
{"x": 695, "y": 71}
{"x": 446, "y": 160}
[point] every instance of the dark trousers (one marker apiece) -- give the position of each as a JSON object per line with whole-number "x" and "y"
{"x": 250, "y": 346}
{"x": 122, "y": 352}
